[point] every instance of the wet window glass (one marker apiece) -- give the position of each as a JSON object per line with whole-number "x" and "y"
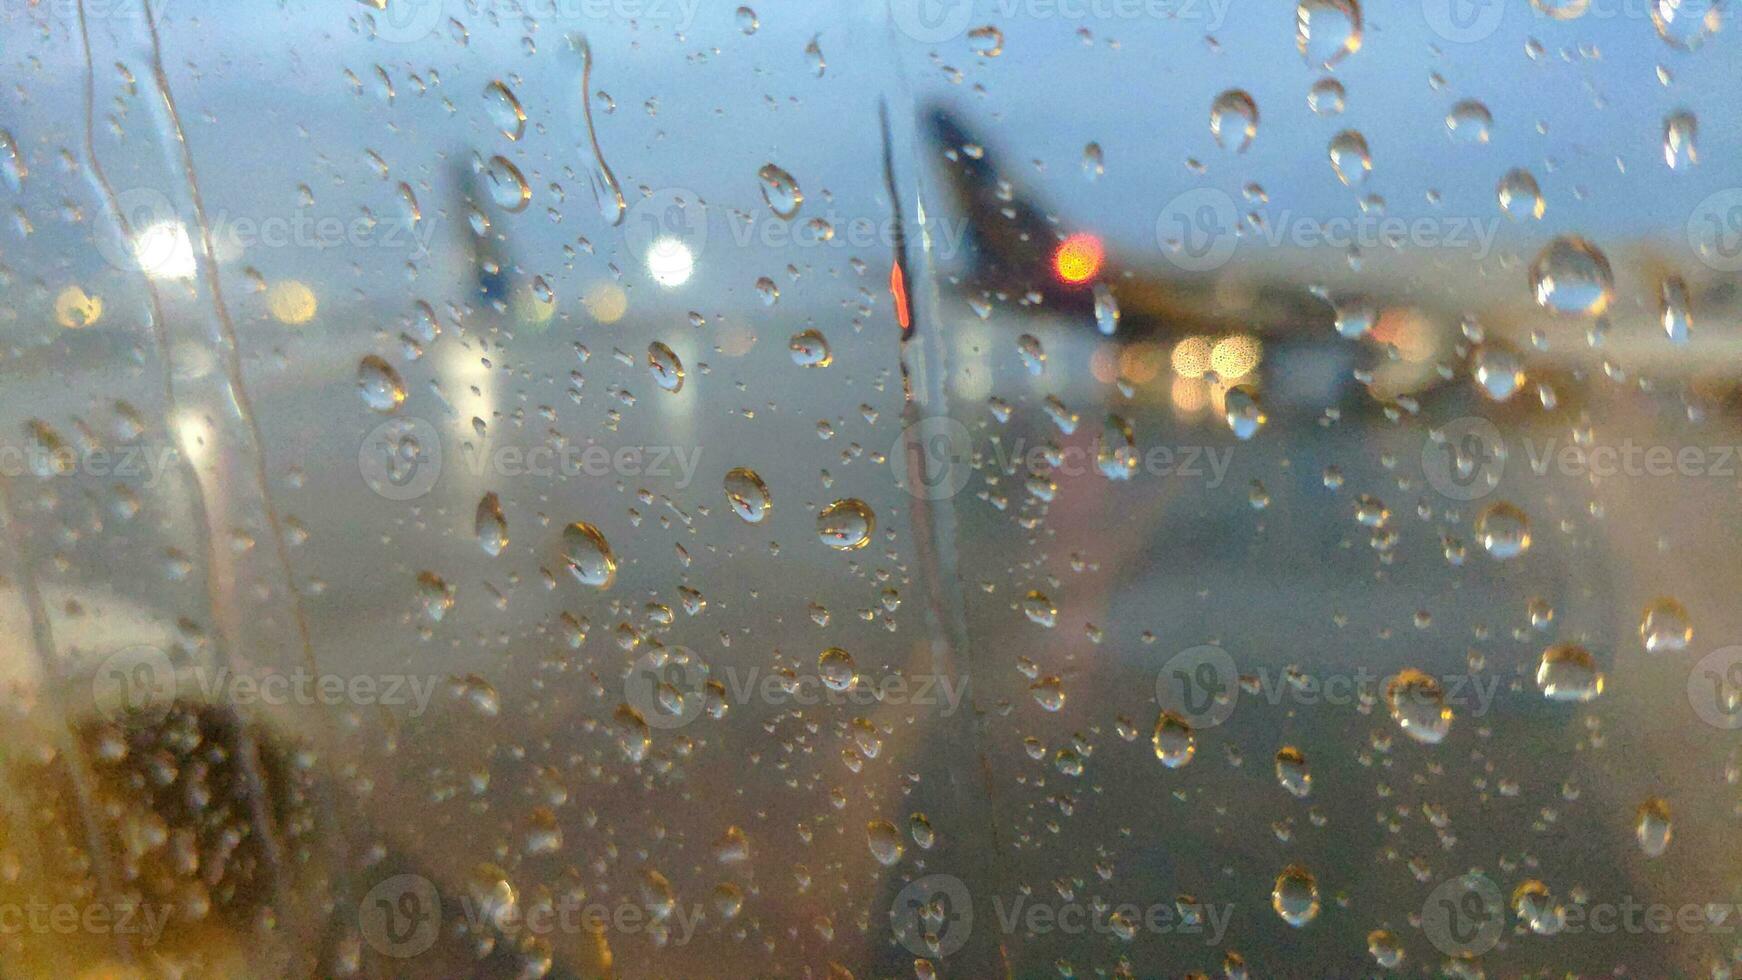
{"x": 917, "y": 488}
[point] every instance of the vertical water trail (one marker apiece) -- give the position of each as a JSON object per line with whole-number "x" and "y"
{"x": 231, "y": 356}
{"x": 250, "y": 761}
{"x": 53, "y": 682}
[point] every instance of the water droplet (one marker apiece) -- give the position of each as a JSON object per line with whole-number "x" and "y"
{"x": 884, "y": 841}
{"x": 1418, "y": 705}
{"x": 12, "y": 168}
{"x": 1653, "y": 828}
{"x": 505, "y": 111}
{"x": 1327, "y": 97}
{"x": 836, "y": 668}
{"x": 1048, "y": 692}
{"x": 1534, "y": 904}
{"x": 1469, "y": 122}
{"x": 810, "y": 349}
{"x": 1570, "y": 275}
{"x": 490, "y": 526}
{"x": 1033, "y": 355}
{"x": 1094, "y": 161}
{"x": 1499, "y": 371}
{"x": 434, "y": 595}
{"x": 1174, "y": 742}
{"x": 1295, "y": 896}
{"x": 747, "y": 21}
{"x": 663, "y": 364}
{"x": 1354, "y": 318}
{"x": 1243, "y": 412}
{"x": 1292, "y": 772}
{"x": 747, "y": 494}
{"x": 987, "y": 42}
{"x": 1503, "y": 530}
{"x": 813, "y": 56}
{"x": 846, "y": 524}
{"x": 1106, "y": 310}
{"x": 1519, "y": 196}
{"x": 1675, "y": 310}
{"x": 1680, "y": 135}
{"x": 1039, "y": 609}
{"x": 1350, "y": 159}
{"x": 1386, "y": 951}
{"x": 1234, "y": 119}
{"x": 1563, "y": 9}
{"x": 1686, "y": 24}
{"x": 587, "y": 555}
{"x": 382, "y": 390}
{"x": 1327, "y": 31}
{"x": 780, "y": 191}
{"x": 1568, "y": 672}
{"x": 508, "y": 188}
{"x": 1665, "y": 627}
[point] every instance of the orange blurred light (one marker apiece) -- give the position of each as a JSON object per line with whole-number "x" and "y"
{"x": 898, "y": 289}
{"x": 1078, "y": 258}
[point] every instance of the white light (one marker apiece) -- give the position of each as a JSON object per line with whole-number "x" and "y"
{"x": 193, "y": 435}
{"x": 164, "y": 251}
{"x": 670, "y": 262}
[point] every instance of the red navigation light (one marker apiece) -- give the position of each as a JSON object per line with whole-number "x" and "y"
{"x": 1078, "y": 258}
